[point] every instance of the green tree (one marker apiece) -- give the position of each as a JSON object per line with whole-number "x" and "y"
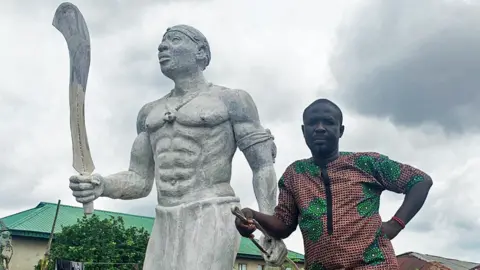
{"x": 92, "y": 240}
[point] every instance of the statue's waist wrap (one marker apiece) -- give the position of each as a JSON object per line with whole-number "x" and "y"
{"x": 196, "y": 235}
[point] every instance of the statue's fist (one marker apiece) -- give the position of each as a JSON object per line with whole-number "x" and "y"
{"x": 86, "y": 188}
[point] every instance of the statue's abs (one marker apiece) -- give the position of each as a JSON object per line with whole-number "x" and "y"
{"x": 193, "y": 159}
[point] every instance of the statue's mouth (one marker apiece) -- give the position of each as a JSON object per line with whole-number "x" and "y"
{"x": 163, "y": 58}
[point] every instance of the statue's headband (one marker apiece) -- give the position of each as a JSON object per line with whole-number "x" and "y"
{"x": 194, "y": 35}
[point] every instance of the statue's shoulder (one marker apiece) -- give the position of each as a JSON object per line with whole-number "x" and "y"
{"x": 233, "y": 96}
{"x": 145, "y": 110}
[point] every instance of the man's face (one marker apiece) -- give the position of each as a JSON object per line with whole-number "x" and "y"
{"x": 177, "y": 53}
{"x": 322, "y": 128}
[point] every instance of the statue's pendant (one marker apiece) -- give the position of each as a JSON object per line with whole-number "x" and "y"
{"x": 169, "y": 117}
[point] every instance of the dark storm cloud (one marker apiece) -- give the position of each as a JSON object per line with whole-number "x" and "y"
{"x": 414, "y": 62}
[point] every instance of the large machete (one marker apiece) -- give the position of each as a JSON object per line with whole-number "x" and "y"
{"x": 70, "y": 22}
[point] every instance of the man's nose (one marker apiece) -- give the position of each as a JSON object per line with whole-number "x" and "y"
{"x": 320, "y": 128}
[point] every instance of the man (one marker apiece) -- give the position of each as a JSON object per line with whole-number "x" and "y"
{"x": 186, "y": 141}
{"x": 334, "y": 197}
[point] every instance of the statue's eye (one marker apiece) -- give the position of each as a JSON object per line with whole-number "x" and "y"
{"x": 176, "y": 40}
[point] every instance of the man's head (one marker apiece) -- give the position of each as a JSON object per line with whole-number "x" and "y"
{"x": 183, "y": 49}
{"x": 322, "y": 127}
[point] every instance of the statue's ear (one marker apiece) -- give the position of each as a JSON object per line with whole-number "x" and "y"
{"x": 202, "y": 52}
{"x": 202, "y": 56}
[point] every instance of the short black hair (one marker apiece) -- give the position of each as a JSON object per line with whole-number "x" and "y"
{"x": 325, "y": 101}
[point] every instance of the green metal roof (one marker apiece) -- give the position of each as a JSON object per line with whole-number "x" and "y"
{"x": 37, "y": 222}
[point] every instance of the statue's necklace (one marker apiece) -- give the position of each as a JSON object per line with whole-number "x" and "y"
{"x": 170, "y": 115}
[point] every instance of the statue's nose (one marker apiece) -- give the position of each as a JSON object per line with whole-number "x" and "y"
{"x": 162, "y": 47}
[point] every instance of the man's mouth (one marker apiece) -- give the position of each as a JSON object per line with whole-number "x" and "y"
{"x": 319, "y": 140}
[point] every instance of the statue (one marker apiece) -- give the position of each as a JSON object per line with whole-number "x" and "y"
{"x": 186, "y": 142}
{"x": 6, "y": 249}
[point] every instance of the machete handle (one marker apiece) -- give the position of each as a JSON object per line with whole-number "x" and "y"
{"x": 88, "y": 208}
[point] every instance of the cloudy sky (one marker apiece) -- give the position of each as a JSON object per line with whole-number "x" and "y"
{"x": 404, "y": 72}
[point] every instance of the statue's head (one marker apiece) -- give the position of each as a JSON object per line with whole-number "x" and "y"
{"x": 183, "y": 50}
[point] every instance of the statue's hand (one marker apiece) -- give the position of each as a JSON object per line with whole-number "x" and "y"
{"x": 86, "y": 188}
{"x": 277, "y": 249}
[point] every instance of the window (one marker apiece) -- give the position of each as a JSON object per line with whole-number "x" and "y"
{"x": 260, "y": 267}
{"x": 242, "y": 266}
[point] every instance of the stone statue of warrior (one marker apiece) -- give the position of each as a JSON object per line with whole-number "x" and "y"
{"x": 5, "y": 248}
{"x": 186, "y": 141}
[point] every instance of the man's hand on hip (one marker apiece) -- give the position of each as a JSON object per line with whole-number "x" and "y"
{"x": 391, "y": 229}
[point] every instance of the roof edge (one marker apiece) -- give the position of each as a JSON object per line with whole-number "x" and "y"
{"x": 30, "y": 209}
{"x": 431, "y": 258}
{"x": 475, "y": 267}
{"x": 405, "y": 253}
{"x": 30, "y": 234}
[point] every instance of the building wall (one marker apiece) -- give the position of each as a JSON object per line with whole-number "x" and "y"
{"x": 28, "y": 251}
{"x": 251, "y": 265}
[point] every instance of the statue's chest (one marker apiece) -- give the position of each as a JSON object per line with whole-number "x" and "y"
{"x": 201, "y": 111}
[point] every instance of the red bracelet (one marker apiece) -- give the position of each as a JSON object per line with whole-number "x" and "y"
{"x": 399, "y": 221}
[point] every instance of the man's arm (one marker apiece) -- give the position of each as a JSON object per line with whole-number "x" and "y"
{"x": 256, "y": 144}
{"x": 402, "y": 178}
{"x": 285, "y": 219}
{"x": 414, "y": 200}
{"x": 137, "y": 182}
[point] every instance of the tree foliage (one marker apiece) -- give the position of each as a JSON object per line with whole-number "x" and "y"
{"x": 92, "y": 240}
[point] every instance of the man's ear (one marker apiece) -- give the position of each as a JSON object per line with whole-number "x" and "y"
{"x": 342, "y": 129}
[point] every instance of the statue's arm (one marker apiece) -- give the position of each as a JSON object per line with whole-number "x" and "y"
{"x": 257, "y": 145}
{"x": 137, "y": 182}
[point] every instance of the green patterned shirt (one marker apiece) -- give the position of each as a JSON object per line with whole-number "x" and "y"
{"x": 336, "y": 208}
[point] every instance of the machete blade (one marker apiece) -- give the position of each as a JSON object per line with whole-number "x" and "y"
{"x": 70, "y": 22}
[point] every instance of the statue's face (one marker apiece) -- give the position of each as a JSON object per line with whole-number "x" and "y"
{"x": 177, "y": 54}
